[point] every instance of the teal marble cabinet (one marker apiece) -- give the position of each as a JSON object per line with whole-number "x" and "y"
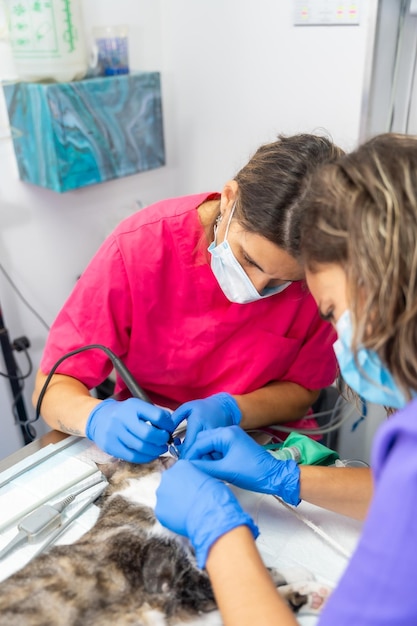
{"x": 80, "y": 133}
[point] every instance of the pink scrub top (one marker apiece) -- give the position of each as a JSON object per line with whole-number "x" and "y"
{"x": 149, "y": 294}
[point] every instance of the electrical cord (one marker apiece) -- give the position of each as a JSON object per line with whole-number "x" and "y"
{"x": 46, "y": 517}
{"x": 21, "y": 376}
{"x": 130, "y": 382}
{"x": 335, "y": 422}
{"x": 319, "y": 531}
{"x": 21, "y": 296}
{"x": 119, "y": 366}
{"x": 138, "y": 392}
{"x": 18, "y": 395}
{"x": 26, "y": 424}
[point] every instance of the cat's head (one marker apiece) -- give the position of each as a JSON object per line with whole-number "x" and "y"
{"x": 118, "y": 472}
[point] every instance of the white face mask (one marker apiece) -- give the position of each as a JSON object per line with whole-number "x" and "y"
{"x": 232, "y": 278}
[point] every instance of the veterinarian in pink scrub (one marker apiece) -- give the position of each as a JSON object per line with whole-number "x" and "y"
{"x": 204, "y": 301}
{"x": 359, "y": 243}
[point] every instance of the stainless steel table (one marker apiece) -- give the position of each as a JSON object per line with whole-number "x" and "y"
{"x": 52, "y": 437}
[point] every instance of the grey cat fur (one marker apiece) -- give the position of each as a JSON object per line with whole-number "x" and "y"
{"x": 125, "y": 571}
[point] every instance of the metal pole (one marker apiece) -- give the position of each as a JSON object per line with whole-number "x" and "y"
{"x": 13, "y": 377}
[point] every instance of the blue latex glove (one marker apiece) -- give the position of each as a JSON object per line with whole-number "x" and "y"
{"x": 239, "y": 460}
{"x": 199, "y": 507}
{"x": 132, "y": 430}
{"x": 215, "y": 411}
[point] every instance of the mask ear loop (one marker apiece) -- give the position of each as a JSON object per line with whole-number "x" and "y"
{"x": 216, "y": 225}
{"x": 219, "y": 219}
{"x": 230, "y": 219}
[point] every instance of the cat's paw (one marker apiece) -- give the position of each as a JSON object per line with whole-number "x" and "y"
{"x": 305, "y": 597}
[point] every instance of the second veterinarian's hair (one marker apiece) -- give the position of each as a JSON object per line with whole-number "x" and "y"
{"x": 361, "y": 213}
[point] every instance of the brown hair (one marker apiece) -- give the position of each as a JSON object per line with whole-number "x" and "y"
{"x": 272, "y": 184}
{"x": 361, "y": 213}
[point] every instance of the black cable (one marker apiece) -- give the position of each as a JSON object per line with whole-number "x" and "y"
{"x": 22, "y": 376}
{"x": 16, "y": 399}
{"x": 18, "y": 396}
{"x": 15, "y": 379}
{"x": 25, "y": 424}
{"x": 119, "y": 366}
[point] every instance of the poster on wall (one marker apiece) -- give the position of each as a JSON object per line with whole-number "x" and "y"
{"x": 326, "y": 13}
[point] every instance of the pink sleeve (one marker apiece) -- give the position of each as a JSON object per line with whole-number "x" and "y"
{"x": 98, "y": 311}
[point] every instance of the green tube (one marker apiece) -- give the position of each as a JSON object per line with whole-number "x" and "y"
{"x": 303, "y": 450}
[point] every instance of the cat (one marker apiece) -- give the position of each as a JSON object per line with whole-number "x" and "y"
{"x": 126, "y": 571}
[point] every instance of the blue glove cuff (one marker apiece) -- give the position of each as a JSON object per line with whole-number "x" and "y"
{"x": 231, "y": 406}
{"x": 221, "y": 512}
{"x": 288, "y": 482}
{"x": 206, "y": 540}
{"x": 90, "y": 426}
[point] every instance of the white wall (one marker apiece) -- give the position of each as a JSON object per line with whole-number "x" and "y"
{"x": 235, "y": 73}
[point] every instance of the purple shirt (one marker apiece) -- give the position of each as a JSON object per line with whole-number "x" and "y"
{"x": 379, "y": 585}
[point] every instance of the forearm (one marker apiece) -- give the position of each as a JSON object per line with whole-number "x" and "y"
{"x": 344, "y": 490}
{"x": 275, "y": 403}
{"x": 243, "y": 588}
{"x": 66, "y": 404}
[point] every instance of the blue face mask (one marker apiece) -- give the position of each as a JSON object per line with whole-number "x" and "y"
{"x": 232, "y": 278}
{"x": 372, "y": 380}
